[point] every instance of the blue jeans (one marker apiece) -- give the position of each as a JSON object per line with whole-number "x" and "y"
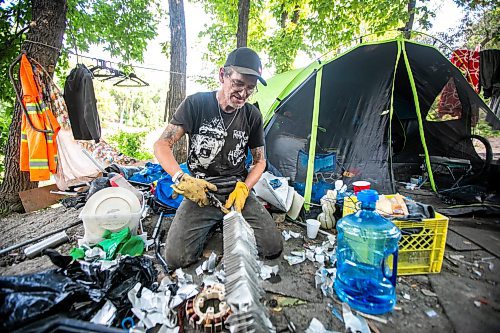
{"x": 192, "y": 224}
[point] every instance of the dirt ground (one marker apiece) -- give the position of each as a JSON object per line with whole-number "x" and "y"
{"x": 467, "y": 298}
{"x": 495, "y": 147}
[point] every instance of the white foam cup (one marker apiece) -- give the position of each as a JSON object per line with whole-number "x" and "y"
{"x": 312, "y": 228}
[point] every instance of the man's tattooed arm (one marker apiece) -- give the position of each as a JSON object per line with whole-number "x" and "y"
{"x": 258, "y": 166}
{"x": 163, "y": 148}
{"x": 172, "y": 134}
{"x": 257, "y": 154}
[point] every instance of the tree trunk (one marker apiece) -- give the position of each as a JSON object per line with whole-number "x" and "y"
{"x": 411, "y": 18}
{"x": 284, "y": 17}
{"x": 243, "y": 12}
{"x": 177, "y": 82}
{"x": 296, "y": 13}
{"x": 50, "y": 19}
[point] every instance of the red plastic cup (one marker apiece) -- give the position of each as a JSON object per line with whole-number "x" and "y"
{"x": 360, "y": 185}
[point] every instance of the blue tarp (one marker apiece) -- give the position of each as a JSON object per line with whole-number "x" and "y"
{"x": 154, "y": 172}
{"x": 164, "y": 190}
{"x": 149, "y": 174}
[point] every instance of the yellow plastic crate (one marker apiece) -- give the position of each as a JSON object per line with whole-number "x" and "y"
{"x": 422, "y": 244}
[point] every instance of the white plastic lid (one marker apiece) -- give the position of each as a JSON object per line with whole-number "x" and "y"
{"x": 113, "y": 209}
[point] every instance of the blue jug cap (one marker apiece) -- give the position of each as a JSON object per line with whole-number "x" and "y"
{"x": 367, "y": 196}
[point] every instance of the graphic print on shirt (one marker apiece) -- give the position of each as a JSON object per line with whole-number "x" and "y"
{"x": 238, "y": 154}
{"x": 206, "y": 144}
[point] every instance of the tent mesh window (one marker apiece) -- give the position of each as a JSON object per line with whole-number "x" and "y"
{"x": 447, "y": 104}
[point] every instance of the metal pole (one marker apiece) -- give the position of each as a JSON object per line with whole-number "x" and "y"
{"x": 52, "y": 241}
{"x": 97, "y": 164}
{"x": 13, "y": 247}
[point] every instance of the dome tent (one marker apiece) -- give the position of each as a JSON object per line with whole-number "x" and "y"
{"x": 377, "y": 107}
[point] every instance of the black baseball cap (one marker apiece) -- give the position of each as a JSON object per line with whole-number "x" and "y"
{"x": 245, "y": 61}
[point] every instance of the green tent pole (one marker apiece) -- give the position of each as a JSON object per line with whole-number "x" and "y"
{"x": 312, "y": 143}
{"x": 419, "y": 116}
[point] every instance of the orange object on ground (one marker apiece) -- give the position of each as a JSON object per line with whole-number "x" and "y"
{"x": 38, "y": 149}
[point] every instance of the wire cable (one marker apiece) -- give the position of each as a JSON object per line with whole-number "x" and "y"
{"x": 108, "y": 61}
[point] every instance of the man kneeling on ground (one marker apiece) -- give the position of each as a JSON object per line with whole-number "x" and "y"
{"x": 221, "y": 126}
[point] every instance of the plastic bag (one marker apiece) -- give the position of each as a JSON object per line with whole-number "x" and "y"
{"x": 149, "y": 174}
{"x": 25, "y": 298}
{"x": 78, "y": 290}
{"x": 275, "y": 190}
{"x": 97, "y": 185}
{"x": 125, "y": 171}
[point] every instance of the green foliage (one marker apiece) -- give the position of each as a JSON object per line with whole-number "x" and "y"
{"x": 484, "y": 129}
{"x": 133, "y": 107}
{"x": 13, "y": 18}
{"x": 130, "y": 144}
{"x": 165, "y": 49}
{"x": 6, "y": 110}
{"x": 282, "y": 28}
{"x": 122, "y": 27}
{"x": 222, "y": 32}
{"x": 5, "y": 119}
{"x": 480, "y": 25}
{"x": 207, "y": 81}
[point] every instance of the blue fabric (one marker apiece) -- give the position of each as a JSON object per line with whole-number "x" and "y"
{"x": 149, "y": 174}
{"x": 248, "y": 160}
{"x": 322, "y": 162}
{"x": 318, "y": 189}
{"x": 164, "y": 190}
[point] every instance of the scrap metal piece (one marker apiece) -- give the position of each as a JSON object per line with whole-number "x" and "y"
{"x": 242, "y": 270}
{"x": 208, "y": 310}
{"x": 294, "y": 260}
{"x": 150, "y": 307}
{"x": 105, "y": 315}
{"x": 287, "y": 234}
{"x": 266, "y": 271}
{"x": 352, "y": 322}
{"x": 216, "y": 202}
{"x": 315, "y": 326}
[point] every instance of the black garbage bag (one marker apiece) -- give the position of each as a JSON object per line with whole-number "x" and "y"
{"x": 468, "y": 194}
{"x": 75, "y": 202}
{"x": 97, "y": 185}
{"x": 484, "y": 209}
{"x": 62, "y": 324}
{"x": 25, "y": 298}
{"x": 77, "y": 289}
{"x": 125, "y": 171}
{"x": 112, "y": 284}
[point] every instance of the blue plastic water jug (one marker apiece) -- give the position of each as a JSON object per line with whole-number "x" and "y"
{"x": 366, "y": 244}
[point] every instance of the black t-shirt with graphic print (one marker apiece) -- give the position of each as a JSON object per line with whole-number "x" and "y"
{"x": 217, "y": 149}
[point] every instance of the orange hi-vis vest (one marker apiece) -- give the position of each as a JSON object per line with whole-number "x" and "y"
{"x": 38, "y": 149}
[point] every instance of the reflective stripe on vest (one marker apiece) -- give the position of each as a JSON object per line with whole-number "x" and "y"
{"x": 39, "y": 164}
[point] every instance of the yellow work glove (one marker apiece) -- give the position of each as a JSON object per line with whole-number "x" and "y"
{"x": 238, "y": 197}
{"x": 194, "y": 189}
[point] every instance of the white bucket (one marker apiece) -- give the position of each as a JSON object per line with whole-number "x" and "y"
{"x": 113, "y": 209}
